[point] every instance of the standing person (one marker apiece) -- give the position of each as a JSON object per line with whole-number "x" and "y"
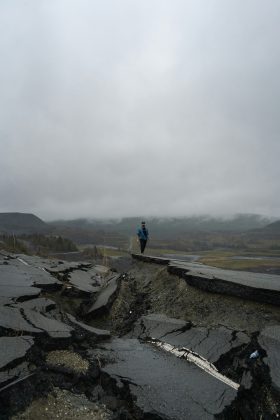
{"x": 143, "y": 236}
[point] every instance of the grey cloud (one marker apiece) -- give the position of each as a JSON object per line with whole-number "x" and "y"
{"x": 128, "y": 108}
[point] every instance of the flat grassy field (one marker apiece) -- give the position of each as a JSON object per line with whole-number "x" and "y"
{"x": 254, "y": 259}
{"x": 259, "y": 260}
{"x": 263, "y": 261}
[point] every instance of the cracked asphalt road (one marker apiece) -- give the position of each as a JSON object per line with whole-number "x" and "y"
{"x": 137, "y": 379}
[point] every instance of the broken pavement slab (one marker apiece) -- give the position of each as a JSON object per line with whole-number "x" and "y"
{"x": 10, "y": 294}
{"x": 57, "y": 267}
{"x": 96, "y": 332}
{"x": 197, "y": 359}
{"x": 38, "y": 305}
{"x": 15, "y": 283}
{"x": 259, "y": 287}
{"x": 264, "y": 288}
{"x": 164, "y": 385}
{"x": 50, "y": 264}
{"x": 13, "y": 349}
{"x": 105, "y": 297}
{"x": 210, "y": 343}
{"x": 55, "y": 329}
{"x": 269, "y": 340}
{"x": 32, "y": 322}
{"x": 158, "y": 325}
{"x": 85, "y": 281}
{"x": 14, "y": 375}
{"x": 12, "y": 319}
{"x": 22, "y": 282}
{"x": 38, "y": 275}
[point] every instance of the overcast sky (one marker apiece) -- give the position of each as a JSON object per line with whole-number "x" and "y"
{"x": 128, "y": 107}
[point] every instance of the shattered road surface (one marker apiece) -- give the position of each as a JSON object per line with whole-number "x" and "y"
{"x": 79, "y": 340}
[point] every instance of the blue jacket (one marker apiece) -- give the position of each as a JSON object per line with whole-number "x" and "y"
{"x": 141, "y": 234}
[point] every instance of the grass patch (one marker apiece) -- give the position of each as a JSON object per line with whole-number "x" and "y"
{"x": 163, "y": 251}
{"x": 108, "y": 252}
{"x": 246, "y": 265}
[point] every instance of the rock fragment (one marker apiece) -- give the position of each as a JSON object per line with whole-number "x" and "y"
{"x": 96, "y": 332}
{"x": 105, "y": 297}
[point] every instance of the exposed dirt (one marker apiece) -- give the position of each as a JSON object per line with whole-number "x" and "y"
{"x": 149, "y": 288}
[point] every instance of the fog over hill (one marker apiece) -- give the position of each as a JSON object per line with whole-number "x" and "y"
{"x": 241, "y": 222}
{"x": 118, "y": 232}
{"x": 275, "y": 226}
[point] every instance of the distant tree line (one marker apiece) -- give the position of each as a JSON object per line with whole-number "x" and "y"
{"x": 37, "y": 244}
{"x": 12, "y": 244}
{"x": 50, "y": 243}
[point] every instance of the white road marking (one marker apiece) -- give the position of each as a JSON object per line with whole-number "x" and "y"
{"x": 195, "y": 358}
{"x": 22, "y": 261}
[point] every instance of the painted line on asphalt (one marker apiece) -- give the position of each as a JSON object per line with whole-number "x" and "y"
{"x": 195, "y": 358}
{"x": 22, "y": 261}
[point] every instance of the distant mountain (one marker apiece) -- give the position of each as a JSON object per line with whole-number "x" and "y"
{"x": 118, "y": 231}
{"x": 237, "y": 223}
{"x": 240, "y": 222}
{"x": 21, "y": 223}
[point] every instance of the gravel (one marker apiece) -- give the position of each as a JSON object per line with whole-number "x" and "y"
{"x": 68, "y": 360}
{"x": 62, "y": 404}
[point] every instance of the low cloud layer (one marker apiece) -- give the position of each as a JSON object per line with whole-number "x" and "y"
{"x": 139, "y": 108}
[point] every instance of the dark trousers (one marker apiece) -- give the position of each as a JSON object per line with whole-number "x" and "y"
{"x": 143, "y": 244}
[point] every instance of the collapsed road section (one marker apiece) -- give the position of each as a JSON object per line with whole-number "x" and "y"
{"x": 264, "y": 288}
{"x": 80, "y": 340}
{"x": 41, "y": 345}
